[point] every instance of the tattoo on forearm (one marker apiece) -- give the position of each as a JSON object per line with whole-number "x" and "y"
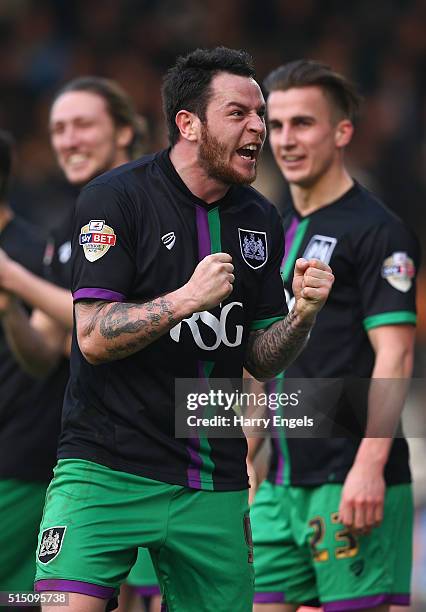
{"x": 272, "y": 350}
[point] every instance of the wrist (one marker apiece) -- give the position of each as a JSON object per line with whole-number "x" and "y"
{"x": 301, "y": 320}
{"x": 373, "y": 453}
{"x": 185, "y": 302}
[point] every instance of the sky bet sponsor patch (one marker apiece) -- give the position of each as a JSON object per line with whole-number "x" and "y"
{"x": 96, "y": 238}
{"x": 399, "y": 270}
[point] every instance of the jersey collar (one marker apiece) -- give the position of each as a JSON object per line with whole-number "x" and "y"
{"x": 163, "y": 160}
{"x": 346, "y": 197}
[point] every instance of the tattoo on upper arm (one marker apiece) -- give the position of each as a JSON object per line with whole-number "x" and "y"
{"x": 119, "y": 318}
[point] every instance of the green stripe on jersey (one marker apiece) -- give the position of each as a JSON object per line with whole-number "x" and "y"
{"x": 390, "y": 318}
{"x": 214, "y": 230}
{"x": 207, "y": 368}
{"x": 282, "y": 439}
{"x": 208, "y": 466}
{"x": 292, "y": 256}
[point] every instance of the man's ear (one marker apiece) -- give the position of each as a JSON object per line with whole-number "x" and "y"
{"x": 344, "y": 133}
{"x": 124, "y": 136}
{"x": 188, "y": 124}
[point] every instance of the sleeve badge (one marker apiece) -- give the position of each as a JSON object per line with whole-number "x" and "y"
{"x": 399, "y": 270}
{"x": 96, "y": 238}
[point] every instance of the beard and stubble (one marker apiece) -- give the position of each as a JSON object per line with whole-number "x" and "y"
{"x": 212, "y": 156}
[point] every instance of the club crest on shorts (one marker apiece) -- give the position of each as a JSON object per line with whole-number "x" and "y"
{"x": 96, "y": 238}
{"x": 399, "y": 270}
{"x": 51, "y": 543}
{"x": 254, "y": 247}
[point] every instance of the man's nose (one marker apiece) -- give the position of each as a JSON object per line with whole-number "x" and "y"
{"x": 69, "y": 137}
{"x": 287, "y": 138}
{"x": 257, "y": 124}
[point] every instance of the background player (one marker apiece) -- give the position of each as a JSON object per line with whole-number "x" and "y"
{"x": 29, "y": 412}
{"x": 120, "y": 463}
{"x": 94, "y": 127}
{"x": 334, "y": 519}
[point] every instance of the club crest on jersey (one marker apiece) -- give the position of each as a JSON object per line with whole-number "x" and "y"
{"x": 51, "y": 543}
{"x": 320, "y": 247}
{"x": 399, "y": 270}
{"x": 96, "y": 238}
{"x": 254, "y": 247}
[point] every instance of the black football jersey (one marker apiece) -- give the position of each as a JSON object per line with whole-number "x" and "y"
{"x": 374, "y": 258}
{"x": 57, "y": 259}
{"x": 30, "y": 409}
{"x": 139, "y": 234}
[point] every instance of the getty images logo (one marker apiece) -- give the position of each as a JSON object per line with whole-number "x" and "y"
{"x": 168, "y": 240}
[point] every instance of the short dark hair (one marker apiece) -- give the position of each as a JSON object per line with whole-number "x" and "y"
{"x": 187, "y": 84}
{"x": 307, "y": 73}
{"x": 119, "y": 105}
{"x": 6, "y": 154}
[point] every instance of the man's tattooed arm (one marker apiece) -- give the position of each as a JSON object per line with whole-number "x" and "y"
{"x": 270, "y": 351}
{"x": 108, "y": 331}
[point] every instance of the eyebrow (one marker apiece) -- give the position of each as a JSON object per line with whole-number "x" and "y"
{"x": 262, "y": 107}
{"x": 72, "y": 119}
{"x": 293, "y": 118}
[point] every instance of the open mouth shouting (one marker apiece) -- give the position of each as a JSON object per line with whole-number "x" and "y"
{"x": 249, "y": 152}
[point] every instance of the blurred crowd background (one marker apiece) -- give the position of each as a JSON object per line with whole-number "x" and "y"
{"x": 381, "y": 45}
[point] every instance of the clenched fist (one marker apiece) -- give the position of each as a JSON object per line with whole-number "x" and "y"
{"x": 211, "y": 282}
{"x": 312, "y": 284}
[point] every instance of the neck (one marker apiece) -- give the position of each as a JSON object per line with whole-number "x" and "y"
{"x": 6, "y": 215}
{"x": 329, "y": 188}
{"x": 185, "y": 161}
{"x": 122, "y": 157}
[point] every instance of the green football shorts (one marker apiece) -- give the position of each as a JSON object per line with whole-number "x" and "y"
{"x": 96, "y": 518}
{"x": 304, "y": 555}
{"x": 21, "y": 508}
{"x": 142, "y": 576}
